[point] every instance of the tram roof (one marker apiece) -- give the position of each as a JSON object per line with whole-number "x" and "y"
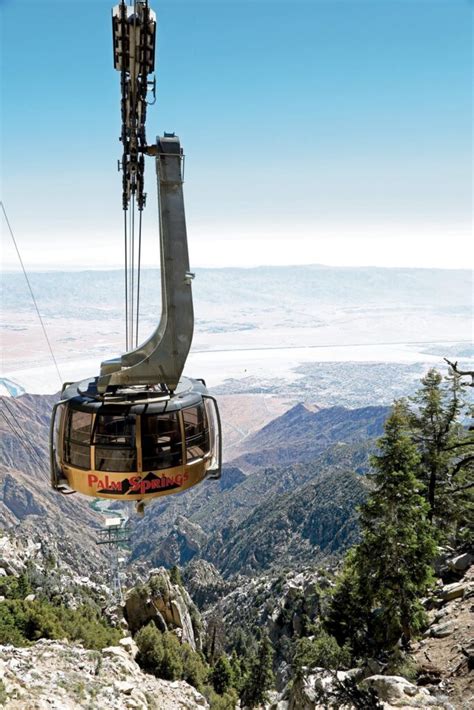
{"x": 83, "y": 396}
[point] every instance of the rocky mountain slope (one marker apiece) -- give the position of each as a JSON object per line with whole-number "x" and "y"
{"x": 57, "y": 671}
{"x": 27, "y": 503}
{"x": 311, "y": 522}
{"x": 441, "y": 664}
{"x": 64, "y": 676}
{"x": 318, "y": 442}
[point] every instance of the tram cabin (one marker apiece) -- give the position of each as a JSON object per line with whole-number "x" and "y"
{"x": 136, "y": 444}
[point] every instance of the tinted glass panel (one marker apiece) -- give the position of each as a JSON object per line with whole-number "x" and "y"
{"x": 161, "y": 441}
{"x": 58, "y": 446}
{"x": 77, "y": 435}
{"x": 115, "y": 430}
{"x": 78, "y": 455}
{"x": 114, "y": 437}
{"x": 80, "y": 426}
{"x": 196, "y": 430}
{"x": 214, "y": 469}
{"x": 113, "y": 458}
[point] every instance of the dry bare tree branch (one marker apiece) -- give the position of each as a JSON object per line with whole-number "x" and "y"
{"x": 461, "y": 464}
{"x": 461, "y": 373}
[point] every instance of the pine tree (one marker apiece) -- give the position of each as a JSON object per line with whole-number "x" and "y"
{"x": 222, "y": 676}
{"x": 348, "y": 616}
{"x": 236, "y": 666}
{"x": 447, "y": 451}
{"x": 261, "y": 678}
{"x": 397, "y": 546}
{"x": 175, "y": 576}
{"x": 377, "y": 598}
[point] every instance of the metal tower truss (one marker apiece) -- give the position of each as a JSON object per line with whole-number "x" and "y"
{"x": 134, "y": 36}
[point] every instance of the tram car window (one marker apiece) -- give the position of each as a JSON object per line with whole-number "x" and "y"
{"x": 78, "y": 439}
{"x": 161, "y": 441}
{"x": 196, "y": 429}
{"x": 114, "y": 440}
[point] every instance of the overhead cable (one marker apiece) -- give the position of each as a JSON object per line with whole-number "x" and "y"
{"x": 32, "y": 294}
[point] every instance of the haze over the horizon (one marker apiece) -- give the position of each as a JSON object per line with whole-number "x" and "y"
{"x": 335, "y": 133}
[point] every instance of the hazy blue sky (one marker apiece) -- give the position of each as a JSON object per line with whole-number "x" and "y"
{"x": 330, "y": 131}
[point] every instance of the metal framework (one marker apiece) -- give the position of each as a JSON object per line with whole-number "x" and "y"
{"x": 162, "y": 357}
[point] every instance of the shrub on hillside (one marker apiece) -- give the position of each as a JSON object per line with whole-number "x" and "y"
{"x": 165, "y": 657}
{"x": 23, "y": 622}
{"x": 322, "y": 651}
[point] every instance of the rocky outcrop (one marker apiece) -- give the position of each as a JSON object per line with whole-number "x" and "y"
{"x": 445, "y": 656}
{"x": 167, "y": 605}
{"x": 185, "y": 541}
{"x": 15, "y": 554}
{"x": 53, "y": 675}
{"x": 48, "y": 572}
{"x": 204, "y": 583}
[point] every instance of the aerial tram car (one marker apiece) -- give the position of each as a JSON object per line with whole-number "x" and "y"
{"x": 140, "y": 430}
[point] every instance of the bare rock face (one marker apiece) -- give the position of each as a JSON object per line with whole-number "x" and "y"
{"x": 168, "y": 605}
{"x": 204, "y": 582}
{"x": 19, "y": 500}
{"x": 53, "y": 675}
{"x": 186, "y": 540}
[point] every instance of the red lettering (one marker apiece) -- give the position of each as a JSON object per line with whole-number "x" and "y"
{"x": 135, "y": 484}
{"x": 145, "y": 485}
{"x": 116, "y": 485}
{"x": 91, "y": 479}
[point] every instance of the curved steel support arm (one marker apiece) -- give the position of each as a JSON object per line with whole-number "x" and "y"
{"x": 161, "y": 358}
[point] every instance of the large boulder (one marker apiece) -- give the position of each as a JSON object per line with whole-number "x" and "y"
{"x": 397, "y": 691}
{"x": 451, "y": 591}
{"x": 461, "y": 563}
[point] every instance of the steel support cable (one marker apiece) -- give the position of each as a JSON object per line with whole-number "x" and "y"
{"x": 129, "y": 275}
{"x": 132, "y": 297}
{"x": 126, "y": 277}
{"x": 16, "y": 429}
{"x": 32, "y": 294}
{"x": 139, "y": 272}
{"x": 21, "y": 435}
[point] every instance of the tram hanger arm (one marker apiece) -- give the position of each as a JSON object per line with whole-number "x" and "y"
{"x": 162, "y": 357}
